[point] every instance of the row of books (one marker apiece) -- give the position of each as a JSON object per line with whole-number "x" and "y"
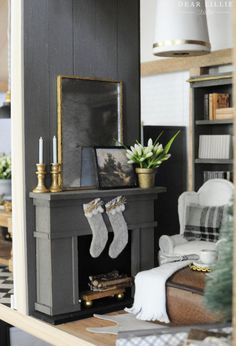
{"x": 215, "y": 147}
{"x": 217, "y": 106}
{"x": 207, "y": 175}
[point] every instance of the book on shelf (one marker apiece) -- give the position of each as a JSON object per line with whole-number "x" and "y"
{"x": 214, "y": 101}
{"x": 206, "y": 107}
{"x": 207, "y": 175}
{"x": 215, "y": 147}
{"x": 211, "y": 117}
{"x": 224, "y": 113}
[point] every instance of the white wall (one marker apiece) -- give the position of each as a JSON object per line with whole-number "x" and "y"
{"x": 5, "y": 132}
{"x": 219, "y": 17}
{"x": 147, "y": 27}
{"x": 220, "y": 24}
{"x": 164, "y": 99}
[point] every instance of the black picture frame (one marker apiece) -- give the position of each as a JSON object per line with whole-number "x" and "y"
{"x": 114, "y": 158}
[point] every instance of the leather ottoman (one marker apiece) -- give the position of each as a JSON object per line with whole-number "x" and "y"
{"x": 185, "y": 298}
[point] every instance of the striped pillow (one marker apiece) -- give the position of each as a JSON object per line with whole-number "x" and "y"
{"x": 203, "y": 223}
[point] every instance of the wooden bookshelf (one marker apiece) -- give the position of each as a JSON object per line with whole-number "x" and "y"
{"x": 202, "y": 85}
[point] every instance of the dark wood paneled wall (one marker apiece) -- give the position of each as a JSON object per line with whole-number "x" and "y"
{"x": 89, "y": 38}
{"x": 173, "y": 175}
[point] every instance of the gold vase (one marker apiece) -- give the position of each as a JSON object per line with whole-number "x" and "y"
{"x": 146, "y": 177}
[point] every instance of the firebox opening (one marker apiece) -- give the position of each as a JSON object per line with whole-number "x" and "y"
{"x": 103, "y": 264}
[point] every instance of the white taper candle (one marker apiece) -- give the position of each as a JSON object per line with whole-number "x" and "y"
{"x": 54, "y": 150}
{"x": 40, "y": 150}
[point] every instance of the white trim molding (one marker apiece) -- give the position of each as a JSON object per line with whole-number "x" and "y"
{"x": 18, "y": 159}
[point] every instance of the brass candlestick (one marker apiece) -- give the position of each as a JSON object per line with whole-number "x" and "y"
{"x": 55, "y": 173}
{"x": 41, "y": 172}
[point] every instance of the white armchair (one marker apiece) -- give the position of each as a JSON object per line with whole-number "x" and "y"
{"x": 214, "y": 192}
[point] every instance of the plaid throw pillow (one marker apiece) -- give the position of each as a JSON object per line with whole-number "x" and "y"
{"x": 203, "y": 223}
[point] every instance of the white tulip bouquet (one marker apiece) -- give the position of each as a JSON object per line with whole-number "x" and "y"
{"x": 152, "y": 155}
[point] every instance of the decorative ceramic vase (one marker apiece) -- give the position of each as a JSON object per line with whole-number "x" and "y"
{"x": 5, "y": 187}
{"x": 146, "y": 177}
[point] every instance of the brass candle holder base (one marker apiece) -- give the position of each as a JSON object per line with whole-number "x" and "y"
{"x": 41, "y": 173}
{"x": 55, "y": 174}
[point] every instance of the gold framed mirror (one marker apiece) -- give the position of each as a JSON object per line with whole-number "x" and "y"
{"x": 89, "y": 115}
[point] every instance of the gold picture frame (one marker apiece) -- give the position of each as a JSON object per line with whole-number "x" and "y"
{"x": 90, "y": 113}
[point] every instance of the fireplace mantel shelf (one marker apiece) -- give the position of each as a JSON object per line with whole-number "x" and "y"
{"x": 80, "y": 194}
{"x": 60, "y": 229}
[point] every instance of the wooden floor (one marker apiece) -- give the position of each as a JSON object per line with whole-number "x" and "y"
{"x": 68, "y": 334}
{"x": 78, "y": 328}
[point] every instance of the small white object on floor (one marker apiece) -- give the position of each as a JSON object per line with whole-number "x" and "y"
{"x": 150, "y": 292}
{"x": 124, "y": 322}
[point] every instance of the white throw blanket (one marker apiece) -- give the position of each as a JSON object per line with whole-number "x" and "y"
{"x": 150, "y": 292}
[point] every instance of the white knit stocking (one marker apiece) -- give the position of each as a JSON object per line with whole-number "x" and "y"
{"x": 114, "y": 210}
{"x": 93, "y": 212}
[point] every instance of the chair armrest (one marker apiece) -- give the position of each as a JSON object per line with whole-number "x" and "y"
{"x": 185, "y": 199}
{"x": 167, "y": 243}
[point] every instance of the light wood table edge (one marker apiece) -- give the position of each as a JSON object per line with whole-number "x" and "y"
{"x": 39, "y": 329}
{"x": 6, "y": 221}
{"x": 10, "y": 262}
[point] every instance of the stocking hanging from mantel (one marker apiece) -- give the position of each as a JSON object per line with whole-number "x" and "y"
{"x": 114, "y": 210}
{"x": 93, "y": 212}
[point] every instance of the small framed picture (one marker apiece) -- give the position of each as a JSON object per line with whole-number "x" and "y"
{"x": 113, "y": 168}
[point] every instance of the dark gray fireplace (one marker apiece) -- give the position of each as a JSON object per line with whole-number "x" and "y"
{"x": 63, "y": 262}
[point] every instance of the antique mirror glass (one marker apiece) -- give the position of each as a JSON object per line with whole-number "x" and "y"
{"x": 89, "y": 114}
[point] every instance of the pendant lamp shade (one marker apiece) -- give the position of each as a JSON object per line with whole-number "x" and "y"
{"x": 181, "y": 29}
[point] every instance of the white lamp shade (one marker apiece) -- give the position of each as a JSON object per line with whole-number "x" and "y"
{"x": 181, "y": 28}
